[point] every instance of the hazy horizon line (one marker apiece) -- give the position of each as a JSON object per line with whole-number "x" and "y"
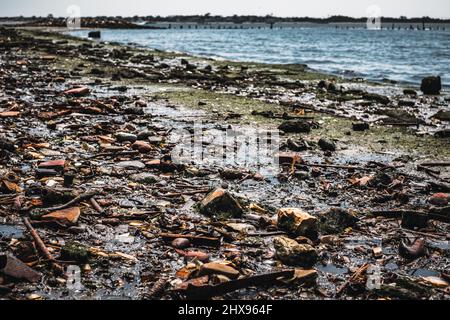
{"x": 234, "y": 15}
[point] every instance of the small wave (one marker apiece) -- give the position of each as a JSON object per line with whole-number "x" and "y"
{"x": 351, "y": 53}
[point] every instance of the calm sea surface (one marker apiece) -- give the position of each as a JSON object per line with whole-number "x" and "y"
{"x": 402, "y": 55}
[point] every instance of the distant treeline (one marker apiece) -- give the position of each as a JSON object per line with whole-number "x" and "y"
{"x": 273, "y": 19}
{"x": 237, "y": 19}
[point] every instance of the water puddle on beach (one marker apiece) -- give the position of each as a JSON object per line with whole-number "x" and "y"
{"x": 332, "y": 269}
{"x": 9, "y": 232}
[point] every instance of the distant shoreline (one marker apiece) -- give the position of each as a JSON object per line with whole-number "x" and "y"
{"x": 216, "y": 22}
{"x": 349, "y": 73}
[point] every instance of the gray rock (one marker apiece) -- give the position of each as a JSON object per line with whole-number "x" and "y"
{"x": 130, "y": 165}
{"x": 125, "y": 137}
{"x": 75, "y": 251}
{"x": 360, "y": 126}
{"x": 95, "y": 34}
{"x": 298, "y": 126}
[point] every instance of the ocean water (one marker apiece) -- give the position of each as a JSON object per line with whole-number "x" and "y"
{"x": 405, "y": 56}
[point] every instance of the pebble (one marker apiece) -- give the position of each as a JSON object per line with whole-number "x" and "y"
{"x": 181, "y": 243}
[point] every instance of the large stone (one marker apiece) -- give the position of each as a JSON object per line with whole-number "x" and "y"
{"x": 221, "y": 204}
{"x": 336, "y": 220}
{"x": 431, "y": 85}
{"x": 297, "y": 222}
{"x": 376, "y": 98}
{"x": 95, "y": 34}
{"x": 290, "y": 252}
{"x": 399, "y": 116}
{"x": 298, "y": 126}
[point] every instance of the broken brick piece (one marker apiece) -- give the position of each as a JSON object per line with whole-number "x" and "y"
{"x": 53, "y": 164}
{"x": 9, "y": 114}
{"x": 67, "y": 216}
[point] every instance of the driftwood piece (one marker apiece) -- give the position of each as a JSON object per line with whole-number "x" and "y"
{"x": 41, "y": 246}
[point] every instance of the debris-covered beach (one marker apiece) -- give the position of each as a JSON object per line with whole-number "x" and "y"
{"x": 93, "y": 205}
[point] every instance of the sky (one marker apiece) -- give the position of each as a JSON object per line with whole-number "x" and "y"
{"x": 282, "y": 8}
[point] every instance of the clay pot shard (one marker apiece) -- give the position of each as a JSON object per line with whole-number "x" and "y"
{"x": 15, "y": 268}
{"x": 67, "y": 216}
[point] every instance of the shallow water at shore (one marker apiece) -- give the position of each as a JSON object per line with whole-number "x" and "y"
{"x": 400, "y": 55}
